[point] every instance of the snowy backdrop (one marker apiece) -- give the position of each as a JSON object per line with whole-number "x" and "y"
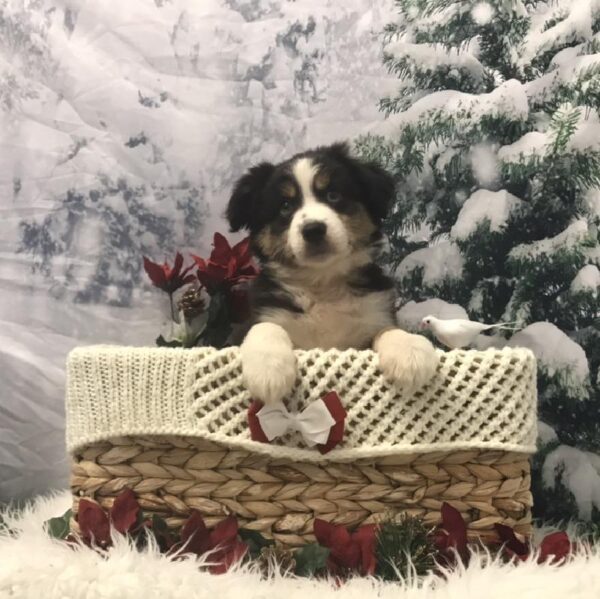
{"x": 124, "y": 126}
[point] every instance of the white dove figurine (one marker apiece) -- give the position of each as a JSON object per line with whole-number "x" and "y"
{"x": 458, "y": 332}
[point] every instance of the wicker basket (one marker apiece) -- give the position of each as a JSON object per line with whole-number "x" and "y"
{"x": 172, "y": 425}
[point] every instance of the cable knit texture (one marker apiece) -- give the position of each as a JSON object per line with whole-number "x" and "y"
{"x": 477, "y": 399}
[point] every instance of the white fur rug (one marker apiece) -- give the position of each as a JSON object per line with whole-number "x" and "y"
{"x": 34, "y": 566}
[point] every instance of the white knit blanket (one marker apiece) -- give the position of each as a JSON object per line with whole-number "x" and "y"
{"x": 478, "y": 400}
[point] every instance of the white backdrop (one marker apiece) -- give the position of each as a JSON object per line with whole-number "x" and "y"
{"x": 122, "y": 128}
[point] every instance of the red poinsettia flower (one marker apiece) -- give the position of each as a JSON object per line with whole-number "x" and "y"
{"x": 166, "y": 278}
{"x": 555, "y": 547}
{"x": 512, "y": 546}
{"x": 450, "y": 538}
{"x": 227, "y": 266}
{"x": 94, "y": 522}
{"x": 222, "y": 542}
{"x": 348, "y": 551}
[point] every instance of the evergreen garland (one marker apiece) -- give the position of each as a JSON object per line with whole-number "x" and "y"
{"x": 404, "y": 547}
{"x": 398, "y": 549}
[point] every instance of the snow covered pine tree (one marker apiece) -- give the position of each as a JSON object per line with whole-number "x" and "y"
{"x": 496, "y": 148}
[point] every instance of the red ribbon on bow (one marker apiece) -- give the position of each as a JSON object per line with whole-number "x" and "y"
{"x": 336, "y": 433}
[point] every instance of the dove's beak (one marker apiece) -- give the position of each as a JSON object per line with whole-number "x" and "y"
{"x": 421, "y": 325}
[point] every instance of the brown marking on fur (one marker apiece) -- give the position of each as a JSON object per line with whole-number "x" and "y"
{"x": 288, "y": 190}
{"x": 274, "y": 246}
{"x": 360, "y": 227}
{"x": 322, "y": 180}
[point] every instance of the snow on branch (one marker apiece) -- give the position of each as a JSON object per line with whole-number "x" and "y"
{"x": 591, "y": 200}
{"x": 576, "y": 26}
{"x": 570, "y": 238}
{"x": 410, "y": 315}
{"x": 579, "y": 472}
{"x": 558, "y": 356}
{"x": 493, "y": 206}
{"x": 508, "y": 99}
{"x": 432, "y": 57}
{"x": 442, "y": 17}
{"x": 546, "y": 434}
{"x": 570, "y": 73}
{"x": 570, "y": 130}
{"x": 587, "y": 279}
{"x": 532, "y": 143}
{"x": 439, "y": 262}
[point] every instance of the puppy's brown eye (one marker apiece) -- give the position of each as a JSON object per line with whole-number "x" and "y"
{"x": 286, "y": 207}
{"x": 333, "y": 197}
{"x": 322, "y": 180}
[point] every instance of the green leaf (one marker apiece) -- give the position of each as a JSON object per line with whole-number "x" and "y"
{"x": 159, "y": 526}
{"x": 59, "y": 527}
{"x": 164, "y": 537}
{"x": 218, "y": 327}
{"x": 255, "y": 541}
{"x": 162, "y": 342}
{"x": 311, "y": 559}
{"x": 194, "y": 330}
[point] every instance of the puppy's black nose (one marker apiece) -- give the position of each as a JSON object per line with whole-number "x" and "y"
{"x": 314, "y": 231}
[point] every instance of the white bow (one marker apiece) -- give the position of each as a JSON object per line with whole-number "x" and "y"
{"x": 314, "y": 422}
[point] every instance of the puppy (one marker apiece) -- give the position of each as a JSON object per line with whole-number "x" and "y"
{"x": 315, "y": 225}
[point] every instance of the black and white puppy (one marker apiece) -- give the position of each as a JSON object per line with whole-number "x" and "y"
{"x": 315, "y": 225}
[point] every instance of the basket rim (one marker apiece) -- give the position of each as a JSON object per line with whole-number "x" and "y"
{"x": 96, "y": 411}
{"x": 292, "y": 454}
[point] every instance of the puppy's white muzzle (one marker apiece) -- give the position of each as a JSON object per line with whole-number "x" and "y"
{"x": 317, "y": 233}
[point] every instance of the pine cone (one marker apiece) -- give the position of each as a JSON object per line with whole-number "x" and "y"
{"x": 273, "y": 559}
{"x": 191, "y": 303}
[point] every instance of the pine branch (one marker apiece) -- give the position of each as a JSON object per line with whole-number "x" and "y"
{"x": 436, "y": 77}
{"x": 404, "y": 546}
{"x": 583, "y": 91}
{"x": 563, "y": 125}
{"x": 431, "y": 7}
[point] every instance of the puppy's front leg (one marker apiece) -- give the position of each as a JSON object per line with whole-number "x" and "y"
{"x": 268, "y": 362}
{"x": 410, "y": 360}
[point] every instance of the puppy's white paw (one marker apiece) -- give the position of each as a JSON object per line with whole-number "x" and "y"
{"x": 410, "y": 360}
{"x": 268, "y": 362}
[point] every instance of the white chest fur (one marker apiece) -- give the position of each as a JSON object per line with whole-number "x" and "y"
{"x": 340, "y": 320}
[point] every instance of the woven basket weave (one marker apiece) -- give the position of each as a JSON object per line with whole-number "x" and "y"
{"x": 171, "y": 425}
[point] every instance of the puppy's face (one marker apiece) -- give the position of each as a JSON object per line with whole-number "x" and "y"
{"x": 310, "y": 213}
{"x": 312, "y": 210}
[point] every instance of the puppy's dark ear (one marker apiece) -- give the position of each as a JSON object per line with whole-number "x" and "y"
{"x": 242, "y": 204}
{"x": 340, "y": 149}
{"x": 378, "y": 189}
{"x": 376, "y": 185}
